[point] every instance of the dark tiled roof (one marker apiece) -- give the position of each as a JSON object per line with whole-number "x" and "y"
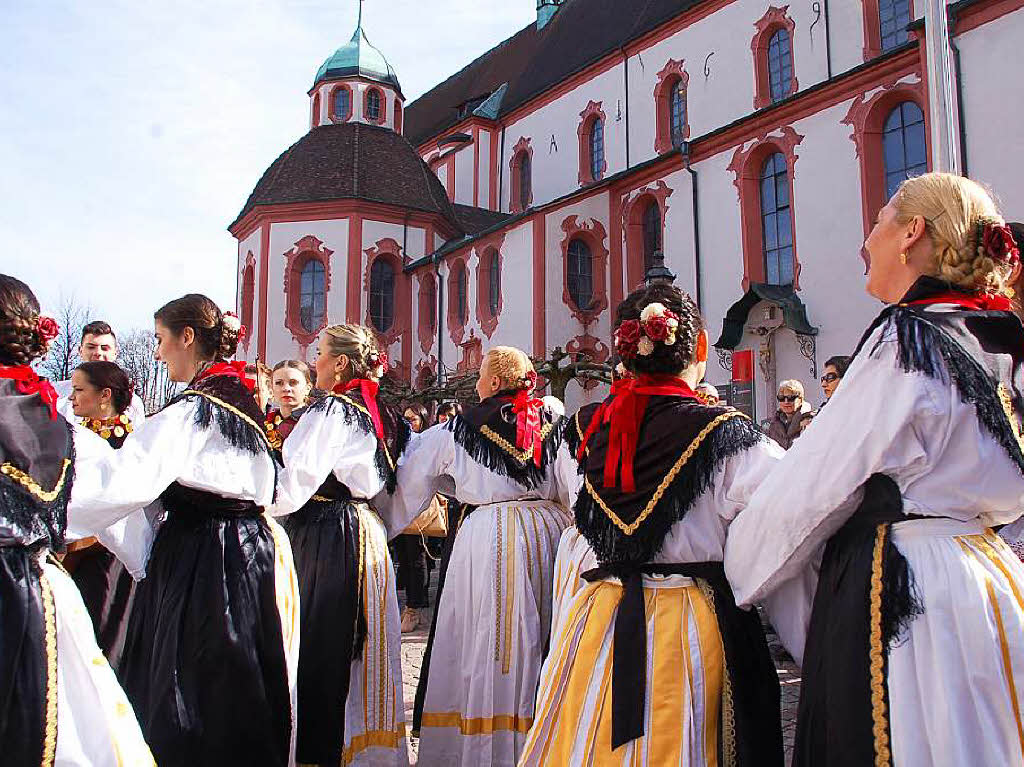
{"x": 531, "y": 62}
{"x": 476, "y": 220}
{"x": 352, "y": 161}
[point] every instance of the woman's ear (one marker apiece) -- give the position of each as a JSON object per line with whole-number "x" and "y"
{"x": 915, "y": 230}
{"x": 107, "y": 396}
{"x": 341, "y": 364}
{"x": 700, "y": 354}
{"x": 188, "y": 337}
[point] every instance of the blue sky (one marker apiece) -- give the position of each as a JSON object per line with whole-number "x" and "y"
{"x": 133, "y": 131}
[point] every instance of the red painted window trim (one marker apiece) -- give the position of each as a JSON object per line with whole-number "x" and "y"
{"x": 773, "y": 20}
{"x": 867, "y": 118}
{"x": 426, "y": 296}
{"x": 520, "y": 150}
{"x": 746, "y": 165}
{"x": 594, "y": 235}
{"x": 390, "y": 251}
{"x": 633, "y": 225}
{"x": 383, "y": 106}
{"x": 330, "y": 103}
{"x": 873, "y": 28}
{"x": 487, "y": 250}
{"x": 673, "y": 72}
{"x": 472, "y": 354}
{"x": 588, "y": 117}
{"x": 456, "y": 324}
{"x": 247, "y": 298}
{"x": 314, "y": 117}
{"x": 398, "y": 116}
{"x": 305, "y": 250}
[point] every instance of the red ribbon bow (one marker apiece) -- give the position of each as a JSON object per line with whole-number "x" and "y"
{"x": 26, "y": 381}
{"x": 527, "y": 410}
{"x": 987, "y": 302}
{"x": 230, "y": 369}
{"x": 624, "y": 412}
{"x": 369, "y": 391}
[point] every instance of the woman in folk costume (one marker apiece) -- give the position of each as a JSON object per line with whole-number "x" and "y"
{"x": 477, "y": 687}
{"x": 100, "y": 396}
{"x": 915, "y": 651}
{"x": 341, "y": 454}
{"x": 651, "y": 662}
{"x": 292, "y": 385}
{"x": 60, "y": 702}
{"x": 212, "y": 646}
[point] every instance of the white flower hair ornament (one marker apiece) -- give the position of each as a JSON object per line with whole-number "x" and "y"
{"x": 657, "y": 324}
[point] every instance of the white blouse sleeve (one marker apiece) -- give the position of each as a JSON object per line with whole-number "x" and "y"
{"x": 876, "y": 422}
{"x": 322, "y": 442}
{"x": 110, "y": 484}
{"x": 568, "y": 479}
{"x": 131, "y": 539}
{"x": 136, "y": 411}
{"x": 422, "y": 473}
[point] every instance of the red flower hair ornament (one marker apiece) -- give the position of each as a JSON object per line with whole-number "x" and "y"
{"x": 657, "y": 325}
{"x": 47, "y": 328}
{"x": 996, "y": 241}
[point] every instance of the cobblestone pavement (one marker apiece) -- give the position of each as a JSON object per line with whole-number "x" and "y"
{"x": 413, "y": 645}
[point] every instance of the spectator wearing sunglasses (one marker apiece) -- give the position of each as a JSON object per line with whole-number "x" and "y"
{"x": 835, "y": 369}
{"x": 793, "y": 411}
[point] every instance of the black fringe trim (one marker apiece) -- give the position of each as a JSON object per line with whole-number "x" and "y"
{"x": 925, "y": 348}
{"x": 901, "y": 601}
{"x": 489, "y": 455}
{"x": 697, "y": 477}
{"x": 33, "y": 521}
{"x": 353, "y": 415}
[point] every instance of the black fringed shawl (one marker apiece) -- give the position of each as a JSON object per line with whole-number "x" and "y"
{"x": 681, "y": 444}
{"x": 352, "y": 408}
{"x": 487, "y": 432}
{"x": 980, "y": 352}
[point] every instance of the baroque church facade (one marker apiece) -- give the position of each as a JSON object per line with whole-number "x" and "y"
{"x": 748, "y": 144}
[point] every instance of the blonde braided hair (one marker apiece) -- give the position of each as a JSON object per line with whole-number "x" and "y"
{"x": 359, "y": 344}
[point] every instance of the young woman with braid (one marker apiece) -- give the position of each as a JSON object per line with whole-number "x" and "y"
{"x": 475, "y": 700}
{"x": 651, "y": 662}
{"x": 60, "y": 702}
{"x": 338, "y": 457}
{"x": 915, "y": 652}
{"x": 210, "y": 658}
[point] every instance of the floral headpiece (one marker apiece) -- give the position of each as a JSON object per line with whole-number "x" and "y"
{"x": 996, "y": 241}
{"x": 657, "y": 324}
{"x": 234, "y": 325}
{"x": 47, "y": 329}
{"x": 378, "y": 360}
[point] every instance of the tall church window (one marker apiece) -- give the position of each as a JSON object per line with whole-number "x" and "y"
{"x": 893, "y": 18}
{"x": 525, "y": 180}
{"x": 313, "y": 295}
{"x": 462, "y": 295}
{"x": 373, "y": 105}
{"x": 904, "y": 145}
{"x": 580, "y": 275}
{"x": 677, "y": 112}
{"x": 780, "y": 65}
{"x": 494, "y": 283}
{"x": 382, "y": 295}
{"x": 652, "y": 233}
{"x": 597, "y": 165}
{"x": 776, "y": 221}
{"x": 342, "y": 106}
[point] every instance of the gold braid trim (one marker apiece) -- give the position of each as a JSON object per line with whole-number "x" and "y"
{"x": 360, "y": 408}
{"x": 728, "y": 712}
{"x": 665, "y": 482}
{"x": 1007, "y": 403}
{"x": 33, "y": 487}
{"x": 50, "y": 628}
{"x": 521, "y": 456}
{"x": 876, "y": 655}
{"x": 231, "y": 408}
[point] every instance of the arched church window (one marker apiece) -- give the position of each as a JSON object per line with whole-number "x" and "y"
{"x": 904, "y": 145}
{"x": 677, "y": 112}
{"x": 580, "y": 274}
{"x": 462, "y": 295}
{"x": 248, "y": 295}
{"x": 373, "y": 105}
{"x": 313, "y": 295}
{"x": 494, "y": 283}
{"x": 382, "y": 295}
{"x": 776, "y": 221}
{"x": 893, "y": 18}
{"x": 652, "y": 233}
{"x": 525, "y": 180}
{"x": 596, "y": 148}
{"x": 780, "y": 65}
{"x": 342, "y": 107}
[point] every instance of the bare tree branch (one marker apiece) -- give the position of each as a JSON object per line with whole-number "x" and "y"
{"x": 63, "y": 355}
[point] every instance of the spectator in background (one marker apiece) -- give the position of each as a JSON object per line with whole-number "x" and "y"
{"x": 708, "y": 394}
{"x": 835, "y": 369}
{"x": 99, "y": 344}
{"x": 793, "y": 410}
{"x": 448, "y": 410}
{"x": 411, "y": 558}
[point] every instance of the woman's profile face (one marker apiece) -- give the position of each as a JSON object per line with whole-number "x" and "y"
{"x": 86, "y": 399}
{"x": 889, "y": 241}
{"x": 175, "y": 352}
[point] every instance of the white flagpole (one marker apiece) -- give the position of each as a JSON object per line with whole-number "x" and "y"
{"x": 942, "y": 106}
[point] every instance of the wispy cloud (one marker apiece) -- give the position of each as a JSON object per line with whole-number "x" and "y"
{"x": 134, "y": 131}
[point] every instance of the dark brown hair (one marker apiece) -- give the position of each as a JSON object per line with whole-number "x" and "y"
{"x": 107, "y": 375}
{"x": 20, "y": 342}
{"x": 421, "y": 411}
{"x": 299, "y": 365}
{"x": 196, "y": 311}
{"x": 98, "y": 328}
{"x": 664, "y": 359}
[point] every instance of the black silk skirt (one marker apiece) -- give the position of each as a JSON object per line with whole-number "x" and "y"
{"x": 325, "y": 538}
{"x": 204, "y": 663}
{"x": 23, "y": 661}
{"x": 107, "y": 589}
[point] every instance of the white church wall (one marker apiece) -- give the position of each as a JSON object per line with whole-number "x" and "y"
{"x": 846, "y": 28}
{"x": 464, "y": 169}
{"x": 483, "y": 169}
{"x": 994, "y": 108}
{"x": 515, "y": 323}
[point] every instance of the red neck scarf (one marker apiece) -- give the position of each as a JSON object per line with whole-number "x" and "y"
{"x": 987, "y": 302}
{"x": 624, "y": 413}
{"x": 26, "y": 381}
{"x": 229, "y": 369}
{"x": 527, "y": 409}
{"x": 369, "y": 391}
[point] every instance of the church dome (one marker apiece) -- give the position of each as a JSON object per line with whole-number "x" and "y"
{"x": 352, "y": 161}
{"x": 358, "y": 58}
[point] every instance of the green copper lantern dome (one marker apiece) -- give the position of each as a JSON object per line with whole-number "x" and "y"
{"x": 358, "y": 58}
